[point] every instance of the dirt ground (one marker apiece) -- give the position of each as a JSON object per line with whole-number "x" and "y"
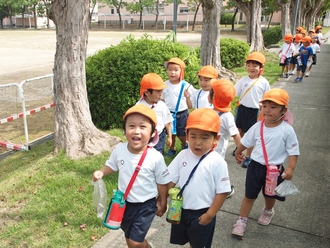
{"x": 28, "y": 54}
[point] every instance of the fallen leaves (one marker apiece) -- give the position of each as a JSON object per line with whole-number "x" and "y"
{"x": 82, "y": 227}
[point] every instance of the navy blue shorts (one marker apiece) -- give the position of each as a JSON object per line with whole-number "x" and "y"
{"x": 181, "y": 123}
{"x": 294, "y": 60}
{"x": 246, "y": 118}
{"x": 137, "y": 219}
{"x": 161, "y": 143}
{"x": 286, "y": 62}
{"x": 189, "y": 230}
{"x": 256, "y": 180}
{"x": 314, "y": 59}
{"x": 301, "y": 68}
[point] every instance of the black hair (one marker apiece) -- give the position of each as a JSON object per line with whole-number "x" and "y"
{"x": 283, "y": 106}
{"x": 153, "y": 127}
{"x": 213, "y": 133}
{"x": 254, "y": 62}
{"x": 150, "y": 91}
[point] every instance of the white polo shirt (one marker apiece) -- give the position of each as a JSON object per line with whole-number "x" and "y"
{"x": 200, "y": 98}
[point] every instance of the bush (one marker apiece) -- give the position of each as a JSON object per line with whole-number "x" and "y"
{"x": 317, "y": 23}
{"x": 272, "y": 35}
{"x": 233, "y": 52}
{"x": 227, "y": 17}
{"x": 113, "y": 75}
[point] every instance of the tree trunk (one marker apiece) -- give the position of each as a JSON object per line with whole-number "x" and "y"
{"x": 157, "y": 14}
{"x": 257, "y": 40}
{"x": 35, "y": 16}
{"x": 285, "y": 16}
{"x": 74, "y": 129}
{"x": 140, "y": 21}
{"x": 270, "y": 20}
{"x": 233, "y": 20}
{"x": 311, "y": 14}
{"x": 10, "y": 17}
{"x": 195, "y": 15}
{"x": 23, "y": 19}
{"x": 120, "y": 19}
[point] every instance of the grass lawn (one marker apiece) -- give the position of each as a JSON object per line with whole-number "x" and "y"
{"x": 46, "y": 200}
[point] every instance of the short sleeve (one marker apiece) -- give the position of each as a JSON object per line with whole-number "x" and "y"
{"x": 161, "y": 171}
{"x": 292, "y": 145}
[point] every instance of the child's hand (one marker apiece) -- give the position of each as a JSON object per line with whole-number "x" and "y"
{"x": 97, "y": 175}
{"x": 287, "y": 174}
{"x": 169, "y": 142}
{"x": 186, "y": 93}
{"x": 239, "y": 157}
{"x": 161, "y": 209}
{"x": 204, "y": 219}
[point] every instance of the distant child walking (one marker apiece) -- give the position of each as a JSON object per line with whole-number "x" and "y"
{"x": 152, "y": 86}
{"x": 297, "y": 44}
{"x": 250, "y": 89}
{"x": 305, "y": 56}
{"x": 199, "y": 99}
{"x": 175, "y": 100}
{"x": 204, "y": 191}
{"x": 273, "y": 139}
{"x": 286, "y": 53}
{"x": 316, "y": 49}
{"x": 139, "y": 124}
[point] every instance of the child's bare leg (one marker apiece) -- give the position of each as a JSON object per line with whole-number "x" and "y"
{"x": 246, "y": 207}
{"x": 173, "y": 143}
{"x": 269, "y": 202}
{"x": 298, "y": 74}
{"x": 283, "y": 69}
{"x": 287, "y": 68}
{"x": 183, "y": 140}
{"x": 132, "y": 244}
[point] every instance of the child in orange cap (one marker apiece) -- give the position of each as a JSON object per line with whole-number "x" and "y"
{"x": 297, "y": 44}
{"x": 151, "y": 92}
{"x": 318, "y": 31}
{"x": 303, "y": 32}
{"x": 305, "y": 56}
{"x": 316, "y": 49}
{"x": 286, "y": 52}
{"x": 206, "y": 190}
{"x": 139, "y": 123}
{"x": 175, "y": 100}
{"x": 250, "y": 89}
{"x": 199, "y": 99}
{"x": 280, "y": 141}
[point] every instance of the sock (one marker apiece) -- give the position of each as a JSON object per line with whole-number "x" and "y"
{"x": 243, "y": 219}
{"x": 268, "y": 209}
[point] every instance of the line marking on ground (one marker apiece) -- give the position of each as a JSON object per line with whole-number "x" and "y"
{"x": 29, "y": 68}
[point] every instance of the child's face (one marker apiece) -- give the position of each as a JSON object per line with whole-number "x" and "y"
{"x": 174, "y": 72}
{"x": 200, "y": 142}
{"x": 138, "y": 132}
{"x": 155, "y": 96}
{"x": 272, "y": 111}
{"x": 310, "y": 33}
{"x": 305, "y": 43}
{"x": 288, "y": 41}
{"x": 253, "y": 68}
{"x": 303, "y": 35}
{"x": 314, "y": 40}
{"x": 205, "y": 83}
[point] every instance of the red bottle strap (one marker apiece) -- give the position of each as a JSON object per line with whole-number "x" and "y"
{"x": 137, "y": 169}
{"x": 263, "y": 143}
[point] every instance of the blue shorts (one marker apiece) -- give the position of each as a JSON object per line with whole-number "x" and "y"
{"x": 181, "y": 123}
{"x": 314, "y": 59}
{"x": 256, "y": 180}
{"x": 294, "y": 60}
{"x": 137, "y": 219}
{"x": 286, "y": 62}
{"x": 161, "y": 143}
{"x": 189, "y": 230}
{"x": 246, "y": 118}
{"x": 301, "y": 68}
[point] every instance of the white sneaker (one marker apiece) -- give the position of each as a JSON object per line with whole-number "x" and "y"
{"x": 291, "y": 73}
{"x": 307, "y": 74}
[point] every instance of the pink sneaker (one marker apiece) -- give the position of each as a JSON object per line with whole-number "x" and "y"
{"x": 266, "y": 217}
{"x": 239, "y": 229}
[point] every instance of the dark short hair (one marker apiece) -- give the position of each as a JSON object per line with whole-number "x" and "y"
{"x": 213, "y": 133}
{"x": 254, "y": 62}
{"x": 150, "y": 90}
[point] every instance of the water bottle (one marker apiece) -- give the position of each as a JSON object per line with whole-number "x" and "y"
{"x": 271, "y": 179}
{"x": 115, "y": 211}
{"x": 175, "y": 208}
{"x": 173, "y": 126}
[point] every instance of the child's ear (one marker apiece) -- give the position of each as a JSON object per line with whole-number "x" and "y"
{"x": 284, "y": 110}
{"x": 146, "y": 92}
{"x": 154, "y": 134}
{"x": 216, "y": 140}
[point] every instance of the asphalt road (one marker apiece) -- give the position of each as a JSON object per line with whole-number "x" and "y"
{"x": 302, "y": 220}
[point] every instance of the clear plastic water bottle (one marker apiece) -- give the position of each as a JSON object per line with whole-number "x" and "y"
{"x": 175, "y": 208}
{"x": 271, "y": 179}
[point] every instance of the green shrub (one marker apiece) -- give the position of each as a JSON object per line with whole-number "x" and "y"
{"x": 317, "y": 23}
{"x": 272, "y": 35}
{"x": 227, "y": 17}
{"x": 113, "y": 75}
{"x": 233, "y": 52}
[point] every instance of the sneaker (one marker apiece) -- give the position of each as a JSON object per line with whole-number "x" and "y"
{"x": 239, "y": 228}
{"x": 246, "y": 162}
{"x": 184, "y": 147}
{"x": 291, "y": 73}
{"x": 307, "y": 74}
{"x": 170, "y": 153}
{"x": 234, "y": 151}
{"x": 296, "y": 80}
{"x": 150, "y": 245}
{"x": 266, "y": 217}
{"x": 300, "y": 79}
{"x": 286, "y": 75}
{"x": 232, "y": 191}
{"x": 282, "y": 75}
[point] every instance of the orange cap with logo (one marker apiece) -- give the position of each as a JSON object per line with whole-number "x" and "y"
{"x": 298, "y": 38}
{"x": 303, "y": 31}
{"x": 307, "y": 39}
{"x": 318, "y": 27}
{"x": 204, "y": 119}
{"x": 224, "y": 92}
{"x": 151, "y": 81}
{"x": 179, "y": 62}
{"x": 143, "y": 110}
{"x": 288, "y": 37}
{"x": 209, "y": 72}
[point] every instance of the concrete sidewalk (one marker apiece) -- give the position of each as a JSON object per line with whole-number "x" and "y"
{"x": 302, "y": 220}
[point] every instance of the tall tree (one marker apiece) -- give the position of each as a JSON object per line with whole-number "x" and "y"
{"x": 193, "y": 5}
{"x": 268, "y": 8}
{"x": 74, "y": 129}
{"x": 313, "y": 7}
{"x": 92, "y": 5}
{"x": 252, "y": 11}
{"x": 285, "y": 16}
{"x": 230, "y": 5}
{"x": 117, "y": 4}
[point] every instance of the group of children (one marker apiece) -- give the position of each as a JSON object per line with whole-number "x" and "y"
{"x": 204, "y": 134}
{"x": 300, "y": 50}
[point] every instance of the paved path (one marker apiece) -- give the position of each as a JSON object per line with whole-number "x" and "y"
{"x": 302, "y": 220}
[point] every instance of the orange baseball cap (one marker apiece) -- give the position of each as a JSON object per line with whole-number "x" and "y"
{"x": 298, "y": 37}
{"x": 179, "y": 62}
{"x": 209, "y": 72}
{"x": 303, "y": 31}
{"x": 318, "y": 27}
{"x": 143, "y": 110}
{"x": 288, "y": 37}
{"x": 307, "y": 39}
{"x": 257, "y": 56}
{"x": 314, "y": 35}
{"x": 204, "y": 119}
{"x": 151, "y": 81}
{"x": 299, "y": 28}
{"x": 224, "y": 92}
{"x": 311, "y": 30}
